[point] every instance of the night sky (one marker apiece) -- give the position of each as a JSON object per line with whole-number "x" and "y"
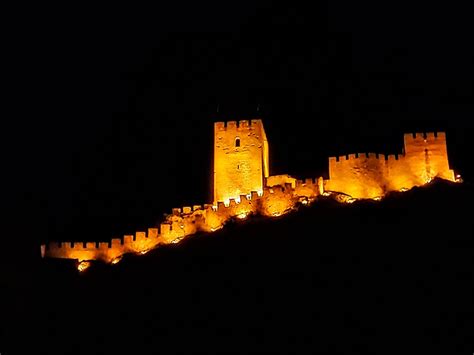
{"x": 116, "y": 126}
{"x": 114, "y": 105}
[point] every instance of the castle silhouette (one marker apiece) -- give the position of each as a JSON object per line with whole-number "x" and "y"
{"x": 242, "y": 185}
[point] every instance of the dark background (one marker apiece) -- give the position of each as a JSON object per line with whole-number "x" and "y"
{"x": 114, "y": 108}
{"x": 121, "y": 100}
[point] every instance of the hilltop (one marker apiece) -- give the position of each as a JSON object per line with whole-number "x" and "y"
{"x": 329, "y": 276}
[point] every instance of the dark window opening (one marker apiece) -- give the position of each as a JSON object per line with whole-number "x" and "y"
{"x": 237, "y": 142}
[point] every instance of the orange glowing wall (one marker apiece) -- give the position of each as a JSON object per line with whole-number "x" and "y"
{"x": 309, "y": 187}
{"x": 242, "y": 186}
{"x": 358, "y": 175}
{"x": 278, "y": 200}
{"x": 181, "y": 223}
{"x": 371, "y": 175}
{"x": 241, "y": 161}
{"x": 426, "y": 156}
{"x": 106, "y": 251}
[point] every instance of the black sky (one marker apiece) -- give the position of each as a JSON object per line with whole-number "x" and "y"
{"x": 115, "y": 104}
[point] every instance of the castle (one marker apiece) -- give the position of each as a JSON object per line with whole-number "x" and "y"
{"x": 242, "y": 185}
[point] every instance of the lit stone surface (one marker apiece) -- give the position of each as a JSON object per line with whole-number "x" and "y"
{"x": 240, "y": 159}
{"x": 372, "y": 175}
{"x": 240, "y": 172}
{"x": 278, "y": 200}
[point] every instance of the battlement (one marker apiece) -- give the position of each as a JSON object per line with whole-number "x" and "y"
{"x": 392, "y": 157}
{"x": 421, "y": 136}
{"x": 237, "y": 125}
{"x": 107, "y": 251}
{"x": 354, "y": 156}
{"x": 369, "y": 175}
{"x": 415, "y": 142}
{"x": 243, "y": 186}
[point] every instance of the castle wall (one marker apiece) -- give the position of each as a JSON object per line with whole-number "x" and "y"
{"x": 371, "y": 175}
{"x": 278, "y": 200}
{"x": 281, "y": 180}
{"x": 309, "y": 188}
{"x": 240, "y": 159}
{"x": 181, "y": 223}
{"x": 426, "y": 156}
{"x": 106, "y": 251}
{"x": 242, "y": 186}
{"x": 358, "y": 175}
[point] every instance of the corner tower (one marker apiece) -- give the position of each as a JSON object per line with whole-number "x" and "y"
{"x": 240, "y": 159}
{"x": 426, "y": 156}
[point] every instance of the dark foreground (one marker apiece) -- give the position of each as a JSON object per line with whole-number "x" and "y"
{"x": 384, "y": 277}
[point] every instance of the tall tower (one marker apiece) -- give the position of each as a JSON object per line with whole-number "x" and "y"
{"x": 426, "y": 156}
{"x": 240, "y": 159}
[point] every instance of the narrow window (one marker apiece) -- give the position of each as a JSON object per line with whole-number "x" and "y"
{"x": 237, "y": 142}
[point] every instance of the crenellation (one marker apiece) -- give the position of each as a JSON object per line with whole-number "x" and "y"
{"x": 165, "y": 229}
{"x": 219, "y": 126}
{"x": 244, "y": 124}
{"x": 414, "y": 137}
{"x": 140, "y": 236}
{"x": 243, "y": 186}
{"x": 116, "y": 243}
{"x": 231, "y": 125}
{"x": 152, "y": 232}
{"x": 255, "y": 123}
{"x": 430, "y": 136}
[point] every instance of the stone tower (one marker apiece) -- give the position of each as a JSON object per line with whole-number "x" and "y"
{"x": 240, "y": 159}
{"x": 426, "y": 156}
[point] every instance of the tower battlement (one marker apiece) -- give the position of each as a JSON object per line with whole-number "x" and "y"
{"x": 243, "y": 186}
{"x": 415, "y": 136}
{"x": 237, "y": 125}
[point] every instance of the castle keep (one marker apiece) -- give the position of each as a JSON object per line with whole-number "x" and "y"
{"x": 240, "y": 159}
{"x": 242, "y": 185}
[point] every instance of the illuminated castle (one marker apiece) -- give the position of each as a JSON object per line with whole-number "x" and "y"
{"x": 240, "y": 159}
{"x": 242, "y": 185}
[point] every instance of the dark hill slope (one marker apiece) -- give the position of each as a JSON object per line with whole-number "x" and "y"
{"x": 351, "y": 277}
